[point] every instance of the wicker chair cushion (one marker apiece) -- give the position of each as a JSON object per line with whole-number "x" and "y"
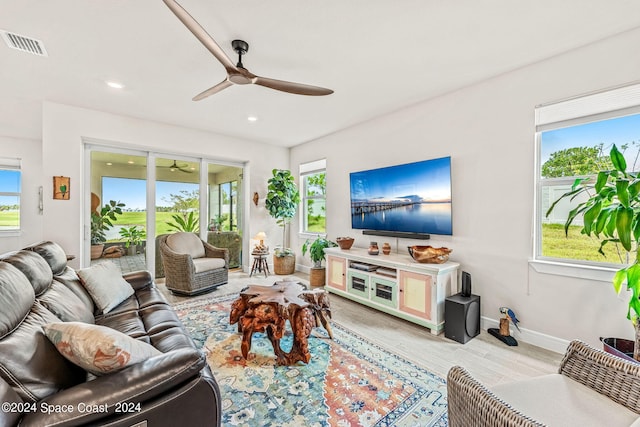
{"x": 206, "y": 264}
{"x": 558, "y": 400}
{"x": 186, "y": 243}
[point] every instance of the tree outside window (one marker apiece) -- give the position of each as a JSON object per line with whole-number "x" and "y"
{"x": 572, "y": 152}
{"x": 10, "y": 187}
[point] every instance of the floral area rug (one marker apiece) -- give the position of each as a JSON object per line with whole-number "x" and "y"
{"x": 348, "y": 382}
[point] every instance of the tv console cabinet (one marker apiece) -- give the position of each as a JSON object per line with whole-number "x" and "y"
{"x": 394, "y": 284}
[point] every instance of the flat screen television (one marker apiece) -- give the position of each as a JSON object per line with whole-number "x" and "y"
{"x": 407, "y": 198}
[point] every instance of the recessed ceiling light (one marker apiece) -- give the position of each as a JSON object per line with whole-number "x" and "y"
{"x": 114, "y": 85}
{"x": 252, "y": 118}
{"x": 130, "y": 162}
{"x": 109, "y": 164}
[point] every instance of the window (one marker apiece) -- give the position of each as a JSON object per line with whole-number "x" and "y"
{"x": 573, "y": 140}
{"x": 314, "y": 186}
{"x": 10, "y": 185}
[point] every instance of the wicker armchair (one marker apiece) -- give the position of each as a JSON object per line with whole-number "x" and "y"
{"x": 591, "y": 388}
{"x": 191, "y": 265}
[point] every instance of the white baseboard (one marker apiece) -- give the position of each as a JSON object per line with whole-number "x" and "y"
{"x": 531, "y": 337}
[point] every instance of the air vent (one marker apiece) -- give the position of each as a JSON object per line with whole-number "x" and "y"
{"x": 25, "y": 44}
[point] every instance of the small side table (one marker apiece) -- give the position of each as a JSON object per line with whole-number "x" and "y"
{"x": 260, "y": 263}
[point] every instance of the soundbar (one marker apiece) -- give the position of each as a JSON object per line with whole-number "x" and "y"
{"x": 401, "y": 234}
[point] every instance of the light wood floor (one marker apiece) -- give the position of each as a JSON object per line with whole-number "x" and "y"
{"x": 486, "y": 358}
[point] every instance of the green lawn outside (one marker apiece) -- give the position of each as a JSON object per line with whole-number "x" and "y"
{"x": 577, "y": 246}
{"x": 9, "y": 218}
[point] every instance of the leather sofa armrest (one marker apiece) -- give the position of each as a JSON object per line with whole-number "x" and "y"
{"x": 138, "y": 279}
{"x": 89, "y": 402}
{"x": 12, "y": 405}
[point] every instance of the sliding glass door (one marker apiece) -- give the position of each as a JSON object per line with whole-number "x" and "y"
{"x": 184, "y": 198}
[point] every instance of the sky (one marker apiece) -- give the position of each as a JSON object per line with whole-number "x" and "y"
{"x": 429, "y": 179}
{"x": 132, "y": 192}
{"x": 621, "y": 130}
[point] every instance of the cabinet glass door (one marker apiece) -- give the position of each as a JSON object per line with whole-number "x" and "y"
{"x": 358, "y": 284}
{"x": 384, "y": 292}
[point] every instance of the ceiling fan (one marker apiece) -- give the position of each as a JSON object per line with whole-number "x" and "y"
{"x": 175, "y": 167}
{"x": 237, "y": 74}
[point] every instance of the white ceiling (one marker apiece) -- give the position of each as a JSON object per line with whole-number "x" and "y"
{"x": 377, "y": 55}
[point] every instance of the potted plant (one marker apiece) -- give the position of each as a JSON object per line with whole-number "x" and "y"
{"x": 100, "y": 222}
{"x": 612, "y": 214}
{"x": 316, "y": 253}
{"x": 282, "y": 202}
{"x": 133, "y": 237}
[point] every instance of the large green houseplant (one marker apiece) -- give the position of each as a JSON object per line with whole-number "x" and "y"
{"x": 282, "y": 202}
{"x": 133, "y": 237}
{"x": 316, "y": 253}
{"x": 101, "y": 221}
{"x": 612, "y": 213}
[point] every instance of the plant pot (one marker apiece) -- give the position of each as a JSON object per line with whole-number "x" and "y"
{"x": 284, "y": 265}
{"x": 619, "y": 347}
{"x": 316, "y": 277}
{"x": 132, "y": 250}
{"x": 96, "y": 251}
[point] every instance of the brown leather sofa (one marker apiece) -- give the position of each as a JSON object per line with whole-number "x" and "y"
{"x": 39, "y": 387}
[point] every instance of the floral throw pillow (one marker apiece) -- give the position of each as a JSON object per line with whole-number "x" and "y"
{"x": 97, "y": 349}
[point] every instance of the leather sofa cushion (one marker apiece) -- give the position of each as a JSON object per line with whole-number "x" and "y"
{"x": 34, "y": 267}
{"x": 557, "y": 400}
{"x": 16, "y": 298}
{"x": 70, "y": 279}
{"x": 30, "y": 363}
{"x": 53, "y": 254}
{"x": 62, "y": 302}
{"x": 157, "y": 325}
{"x": 208, "y": 264}
{"x": 186, "y": 243}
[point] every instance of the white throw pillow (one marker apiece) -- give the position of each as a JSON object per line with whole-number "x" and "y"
{"x": 105, "y": 284}
{"x": 97, "y": 349}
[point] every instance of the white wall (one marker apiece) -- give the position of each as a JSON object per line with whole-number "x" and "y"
{"x": 30, "y": 151}
{"x": 488, "y": 130}
{"x": 66, "y": 127}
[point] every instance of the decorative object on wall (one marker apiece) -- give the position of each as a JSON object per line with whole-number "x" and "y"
{"x": 61, "y": 187}
{"x": 256, "y": 197}
{"x": 40, "y": 200}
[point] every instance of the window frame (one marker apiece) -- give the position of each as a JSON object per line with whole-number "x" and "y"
{"x": 13, "y": 164}
{"x": 596, "y": 106}
{"x": 308, "y": 169}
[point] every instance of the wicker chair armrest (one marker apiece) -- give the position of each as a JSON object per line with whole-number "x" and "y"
{"x": 470, "y": 404}
{"x": 211, "y": 251}
{"x": 609, "y": 375}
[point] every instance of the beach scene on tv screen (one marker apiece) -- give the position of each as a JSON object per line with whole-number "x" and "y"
{"x": 413, "y": 197}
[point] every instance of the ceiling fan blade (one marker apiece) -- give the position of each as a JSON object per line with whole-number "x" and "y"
{"x": 215, "y": 89}
{"x": 290, "y": 87}
{"x": 200, "y": 34}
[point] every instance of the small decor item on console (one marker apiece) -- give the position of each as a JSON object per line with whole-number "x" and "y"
{"x": 373, "y": 248}
{"x": 386, "y": 248}
{"x": 345, "y": 242}
{"x": 429, "y": 254}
